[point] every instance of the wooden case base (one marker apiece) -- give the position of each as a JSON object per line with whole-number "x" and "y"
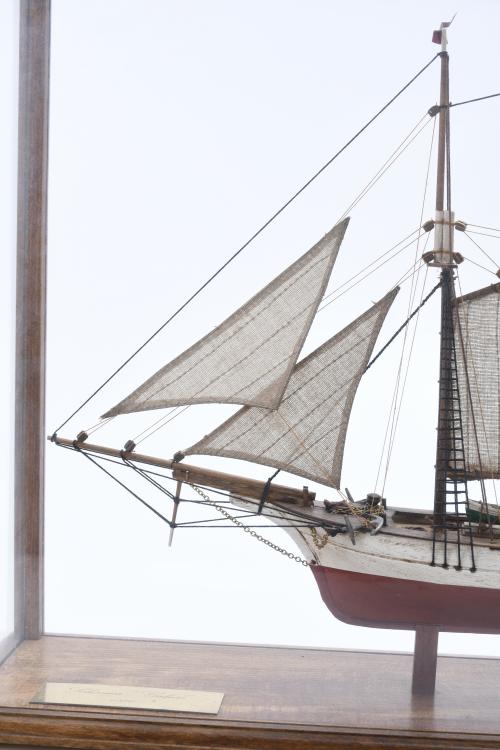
{"x": 275, "y": 697}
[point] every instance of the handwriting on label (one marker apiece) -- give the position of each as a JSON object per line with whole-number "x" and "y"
{"x": 126, "y": 696}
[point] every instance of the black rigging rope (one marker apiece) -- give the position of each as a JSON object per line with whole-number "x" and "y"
{"x": 287, "y": 513}
{"x": 147, "y": 477}
{"x": 402, "y": 327}
{"x": 470, "y": 101}
{"x": 247, "y": 243}
{"x": 137, "y": 497}
{"x": 191, "y": 524}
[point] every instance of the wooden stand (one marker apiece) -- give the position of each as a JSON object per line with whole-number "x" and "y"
{"x": 425, "y": 661}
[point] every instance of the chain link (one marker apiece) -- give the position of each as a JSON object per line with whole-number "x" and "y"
{"x": 319, "y": 542}
{"x": 251, "y": 532}
{"x": 353, "y": 510}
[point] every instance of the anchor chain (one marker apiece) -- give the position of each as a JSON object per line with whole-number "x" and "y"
{"x": 296, "y": 558}
{"x": 318, "y": 541}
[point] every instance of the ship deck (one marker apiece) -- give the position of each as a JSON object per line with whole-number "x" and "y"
{"x": 404, "y": 522}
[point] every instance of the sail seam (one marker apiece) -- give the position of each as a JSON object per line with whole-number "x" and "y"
{"x": 218, "y": 366}
{"x": 244, "y": 324}
{"x": 319, "y": 398}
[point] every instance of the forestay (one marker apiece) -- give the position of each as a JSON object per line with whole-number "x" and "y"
{"x": 477, "y": 341}
{"x": 306, "y": 434}
{"x": 247, "y": 359}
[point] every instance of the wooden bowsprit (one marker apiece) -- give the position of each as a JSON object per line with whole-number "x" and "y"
{"x": 426, "y": 637}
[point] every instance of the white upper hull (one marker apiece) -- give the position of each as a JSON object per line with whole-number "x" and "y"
{"x": 404, "y": 557}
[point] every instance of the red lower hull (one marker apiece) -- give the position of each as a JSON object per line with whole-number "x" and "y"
{"x": 382, "y": 602}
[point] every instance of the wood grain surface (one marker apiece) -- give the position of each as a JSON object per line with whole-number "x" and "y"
{"x": 31, "y": 306}
{"x": 272, "y": 697}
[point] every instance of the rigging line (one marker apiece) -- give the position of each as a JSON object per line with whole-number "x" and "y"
{"x": 480, "y": 226}
{"x": 228, "y": 506}
{"x": 399, "y": 395}
{"x": 166, "y": 418}
{"x": 286, "y": 513}
{"x": 393, "y": 418}
{"x": 469, "y": 260}
{"x": 382, "y": 255}
{"x": 253, "y": 237}
{"x": 486, "y": 234}
{"x": 369, "y": 273}
{"x": 482, "y": 249}
{"x": 258, "y": 526}
{"x": 218, "y": 519}
{"x": 424, "y": 197}
{"x": 414, "y": 282}
{"x": 158, "y": 486}
{"x": 149, "y": 479}
{"x": 470, "y": 101}
{"x": 396, "y": 334}
{"x": 92, "y": 427}
{"x": 386, "y": 436}
{"x": 421, "y": 213}
{"x": 253, "y": 533}
{"x": 245, "y": 355}
{"x": 305, "y": 449}
{"x": 413, "y": 269}
{"x": 413, "y": 290}
{"x": 176, "y": 413}
{"x": 145, "y": 476}
{"x": 391, "y": 425}
{"x": 137, "y": 497}
{"x": 414, "y": 276}
{"x": 405, "y": 378}
{"x": 392, "y": 159}
{"x": 97, "y": 426}
{"x": 211, "y": 522}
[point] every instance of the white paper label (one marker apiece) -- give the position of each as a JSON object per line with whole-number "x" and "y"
{"x": 125, "y": 696}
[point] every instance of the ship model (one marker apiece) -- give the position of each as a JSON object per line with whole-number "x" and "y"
{"x": 375, "y": 565}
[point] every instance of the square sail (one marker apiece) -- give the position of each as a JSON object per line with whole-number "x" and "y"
{"x": 477, "y": 343}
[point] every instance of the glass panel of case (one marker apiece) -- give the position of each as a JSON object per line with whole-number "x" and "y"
{"x": 9, "y": 34}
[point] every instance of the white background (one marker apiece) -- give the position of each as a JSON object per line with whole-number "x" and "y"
{"x": 177, "y": 129}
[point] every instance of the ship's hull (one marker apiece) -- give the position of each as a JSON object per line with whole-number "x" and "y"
{"x": 387, "y": 580}
{"x": 402, "y": 604}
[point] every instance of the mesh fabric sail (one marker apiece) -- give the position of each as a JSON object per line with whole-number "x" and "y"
{"x": 249, "y": 357}
{"x": 306, "y": 434}
{"x": 477, "y": 342}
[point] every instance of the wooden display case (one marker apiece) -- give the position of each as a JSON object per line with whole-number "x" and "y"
{"x": 273, "y": 697}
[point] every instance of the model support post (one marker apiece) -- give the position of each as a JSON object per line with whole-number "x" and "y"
{"x": 425, "y": 660}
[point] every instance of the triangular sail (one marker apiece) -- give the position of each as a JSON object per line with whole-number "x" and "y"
{"x": 477, "y": 344}
{"x": 306, "y": 434}
{"x": 248, "y": 358}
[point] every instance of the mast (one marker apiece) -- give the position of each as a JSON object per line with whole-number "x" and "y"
{"x": 443, "y": 258}
{"x": 450, "y": 485}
